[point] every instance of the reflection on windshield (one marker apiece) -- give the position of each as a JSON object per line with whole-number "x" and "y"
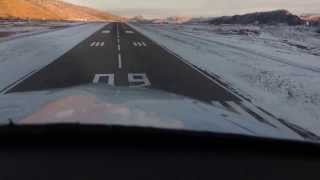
{"x": 88, "y": 110}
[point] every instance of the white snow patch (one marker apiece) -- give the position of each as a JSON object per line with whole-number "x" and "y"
{"x": 265, "y": 64}
{"x": 21, "y": 56}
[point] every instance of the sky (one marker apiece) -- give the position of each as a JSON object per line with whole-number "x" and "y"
{"x": 197, "y": 8}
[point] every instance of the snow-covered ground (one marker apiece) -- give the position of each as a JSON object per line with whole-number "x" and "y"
{"x": 277, "y": 67}
{"x": 21, "y": 56}
{"x": 14, "y": 29}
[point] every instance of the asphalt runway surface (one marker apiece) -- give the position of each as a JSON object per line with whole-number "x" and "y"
{"x": 120, "y": 56}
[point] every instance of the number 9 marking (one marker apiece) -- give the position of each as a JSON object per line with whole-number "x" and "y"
{"x": 138, "y": 80}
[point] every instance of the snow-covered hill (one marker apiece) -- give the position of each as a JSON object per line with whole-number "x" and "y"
{"x": 270, "y": 17}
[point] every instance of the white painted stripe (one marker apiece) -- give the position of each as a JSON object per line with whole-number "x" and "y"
{"x": 217, "y": 104}
{"x": 8, "y": 88}
{"x": 97, "y": 44}
{"x": 119, "y": 49}
{"x": 102, "y": 44}
{"x": 239, "y": 109}
{"x": 143, "y": 79}
{"x": 144, "y": 43}
{"x": 105, "y": 32}
{"x": 260, "y": 113}
{"x": 97, "y": 77}
{"x": 139, "y": 44}
{"x": 119, "y": 61}
{"x": 92, "y": 44}
{"x": 129, "y": 32}
{"x": 134, "y": 43}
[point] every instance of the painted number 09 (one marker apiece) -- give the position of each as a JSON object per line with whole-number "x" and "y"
{"x": 134, "y": 79}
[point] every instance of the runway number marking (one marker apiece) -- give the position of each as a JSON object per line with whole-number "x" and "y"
{"x": 107, "y": 78}
{"x": 134, "y": 79}
{"x": 138, "y": 80}
{"x": 139, "y": 44}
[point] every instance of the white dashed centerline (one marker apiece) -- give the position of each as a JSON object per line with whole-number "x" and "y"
{"x": 119, "y": 49}
{"x": 119, "y": 61}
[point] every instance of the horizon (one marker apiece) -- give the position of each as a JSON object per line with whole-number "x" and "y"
{"x": 151, "y": 9}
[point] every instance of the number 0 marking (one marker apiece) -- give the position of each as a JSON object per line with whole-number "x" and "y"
{"x": 138, "y": 80}
{"x": 98, "y": 77}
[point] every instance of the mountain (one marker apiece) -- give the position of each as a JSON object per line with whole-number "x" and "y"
{"x": 139, "y": 19}
{"x": 199, "y": 20}
{"x": 50, "y": 10}
{"x": 173, "y": 20}
{"x": 270, "y": 17}
{"x": 313, "y": 19}
{"x": 177, "y": 19}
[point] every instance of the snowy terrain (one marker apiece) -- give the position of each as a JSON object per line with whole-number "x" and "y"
{"x": 277, "y": 67}
{"x": 21, "y": 56}
{"x": 14, "y": 29}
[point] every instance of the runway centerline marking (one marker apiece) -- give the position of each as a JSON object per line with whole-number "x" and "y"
{"x": 119, "y": 61}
